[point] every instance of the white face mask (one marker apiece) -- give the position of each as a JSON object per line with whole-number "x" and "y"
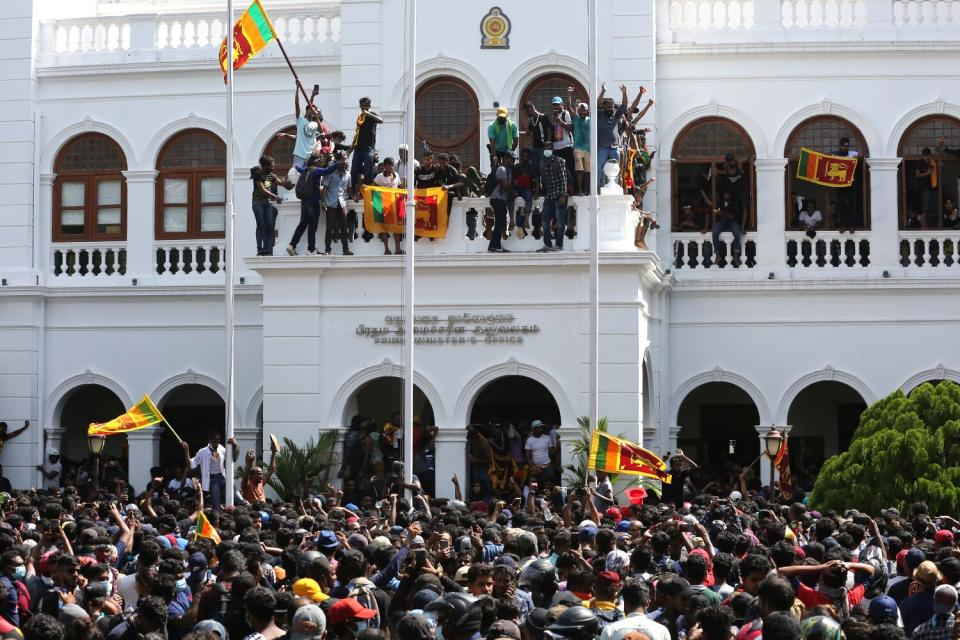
{"x": 547, "y": 153}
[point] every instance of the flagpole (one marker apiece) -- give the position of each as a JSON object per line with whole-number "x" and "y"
{"x": 408, "y": 276}
{"x": 595, "y": 220}
{"x": 229, "y": 263}
{"x": 293, "y": 71}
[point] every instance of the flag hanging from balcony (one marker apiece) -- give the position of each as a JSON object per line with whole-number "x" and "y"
{"x": 251, "y": 35}
{"x": 143, "y": 414}
{"x": 206, "y": 530}
{"x": 384, "y": 211}
{"x": 613, "y": 455}
{"x": 825, "y": 170}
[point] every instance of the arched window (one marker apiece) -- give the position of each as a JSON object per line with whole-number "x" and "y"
{"x": 89, "y": 191}
{"x": 448, "y": 120}
{"x": 281, "y": 150}
{"x": 841, "y": 207}
{"x": 700, "y": 175}
{"x": 191, "y": 186}
{"x": 542, "y": 91}
{"x": 927, "y": 133}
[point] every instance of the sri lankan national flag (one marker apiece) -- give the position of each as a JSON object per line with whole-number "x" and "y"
{"x": 141, "y": 415}
{"x": 384, "y": 211}
{"x": 782, "y": 462}
{"x": 613, "y": 455}
{"x": 825, "y": 170}
{"x": 206, "y": 530}
{"x": 251, "y": 35}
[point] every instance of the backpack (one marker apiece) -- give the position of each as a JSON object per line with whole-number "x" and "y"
{"x": 304, "y": 185}
{"x": 361, "y": 590}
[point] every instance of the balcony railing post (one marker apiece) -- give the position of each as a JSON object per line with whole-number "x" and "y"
{"x": 771, "y": 239}
{"x": 884, "y": 213}
{"x": 140, "y": 223}
{"x": 143, "y": 32}
{"x": 880, "y": 18}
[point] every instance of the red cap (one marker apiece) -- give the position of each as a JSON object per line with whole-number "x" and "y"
{"x": 611, "y": 577}
{"x": 614, "y": 513}
{"x": 902, "y": 558}
{"x": 353, "y": 519}
{"x": 943, "y": 536}
{"x": 347, "y": 609}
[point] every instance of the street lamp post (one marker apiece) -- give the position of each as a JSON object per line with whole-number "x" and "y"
{"x": 773, "y": 441}
{"x": 96, "y": 444}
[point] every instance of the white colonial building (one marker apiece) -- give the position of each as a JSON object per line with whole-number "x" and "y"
{"x": 111, "y": 250}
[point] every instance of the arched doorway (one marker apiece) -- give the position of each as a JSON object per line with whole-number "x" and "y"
{"x": 926, "y": 133}
{"x": 823, "y": 418}
{"x": 518, "y": 399}
{"x": 381, "y": 400}
{"x": 842, "y": 208}
{"x": 194, "y": 410}
{"x": 85, "y": 404}
{"x": 718, "y": 421}
{"x": 448, "y": 120}
{"x": 541, "y": 91}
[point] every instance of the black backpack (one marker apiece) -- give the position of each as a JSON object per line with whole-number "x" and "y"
{"x": 304, "y": 184}
{"x": 490, "y": 185}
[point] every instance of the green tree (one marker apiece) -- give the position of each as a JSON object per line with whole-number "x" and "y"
{"x": 905, "y": 449}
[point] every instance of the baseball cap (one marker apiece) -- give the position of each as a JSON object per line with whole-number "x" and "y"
{"x": 213, "y": 626}
{"x": 503, "y": 629}
{"x": 608, "y": 577}
{"x": 309, "y": 588}
{"x": 502, "y": 112}
{"x": 943, "y": 536}
{"x": 883, "y": 610}
{"x": 944, "y": 599}
{"x": 413, "y": 626}
{"x": 461, "y": 576}
{"x": 614, "y": 513}
{"x": 914, "y": 558}
{"x": 308, "y": 622}
{"x": 537, "y": 423}
{"x": 506, "y": 561}
{"x": 735, "y": 495}
{"x": 349, "y": 608}
{"x": 557, "y": 100}
{"x": 327, "y": 540}
{"x": 927, "y": 573}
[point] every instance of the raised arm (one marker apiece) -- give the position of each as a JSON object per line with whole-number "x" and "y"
{"x": 636, "y": 101}
{"x": 623, "y": 96}
{"x": 296, "y": 101}
{"x": 687, "y": 462}
{"x": 603, "y": 91}
{"x": 456, "y": 488}
{"x": 126, "y": 533}
{"x": 234, "y": 447}
{"x": 643, "y": 112}
{"x": 272, "y": 467}
{"x": 14, "y": 434}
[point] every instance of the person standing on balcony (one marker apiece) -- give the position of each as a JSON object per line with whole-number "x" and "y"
{"x": 581, "y": 149}
{"x": 951, "y": 216}
{"x": 810, "y": 217}
{"x": 502, "y": 192}
{"x": 927, "y": 180}
{"x": 390, "y": 179}
{"x": 539, "y": 130}
{"x": 735, "y": 177}
{"x": 210, "y": 459}
{"x": 503, "y": 135}
{"x": 264, "y": 199}
{"x": 364, "y": 142}
{"x": 554, "y": 199}
{"x": 310, "y": 205}
{"x": 728, "y": 216}
{"x": 333, "y": 196}
{"x": 608, "y": 128}
{"x": 848, "y": 214}
{"x": 563, "y": 137}
{"x": 309, "y": 127}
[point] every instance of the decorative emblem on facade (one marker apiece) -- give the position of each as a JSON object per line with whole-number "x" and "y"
{"x": 495, "y": 28}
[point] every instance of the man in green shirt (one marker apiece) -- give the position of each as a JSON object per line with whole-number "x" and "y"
{"x": 502, "y": 134}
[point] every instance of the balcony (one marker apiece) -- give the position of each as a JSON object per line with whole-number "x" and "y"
{"x": 179, "y": 38}
{"x": 202, "y": 261}
{"x": 685, "y": 23}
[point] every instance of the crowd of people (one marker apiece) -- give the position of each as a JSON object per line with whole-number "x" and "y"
{"x": 329, "y": 173}
{"x": 530, "y": 556}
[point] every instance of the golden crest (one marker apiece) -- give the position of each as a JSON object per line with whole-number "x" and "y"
{"x": 495, "y": 29}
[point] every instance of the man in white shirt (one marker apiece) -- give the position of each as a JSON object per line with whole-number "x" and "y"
{"x": 389, "y": 178}
{"x": 539, "y": 449}
{"x": 51, "y": 469}
{"x": 402, "y": 154}
{"x": 636, "y": 599}
{"x": 211, "y": 460}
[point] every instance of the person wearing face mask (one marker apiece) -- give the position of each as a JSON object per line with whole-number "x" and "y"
{"x": 259, "y": 603}
{"x": 348, "y": 618}
{"x": 12, "y": 569}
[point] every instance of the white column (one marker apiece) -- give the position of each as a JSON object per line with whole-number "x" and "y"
{"x": 451, "y": 458}
{"x": 884, "y": 214}
{"x": 143, "y": 448}
{"x": 140, "y": 223}
{"x": 247, "y": 439}
{"x": 46, "y": 223}
{"x": 771, "y": 225}
{"x": 672, "y": 440}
